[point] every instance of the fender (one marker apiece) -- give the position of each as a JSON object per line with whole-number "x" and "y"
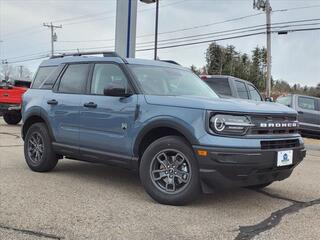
{"x": 36, "y": 111}
{"x": 165, "y": 121}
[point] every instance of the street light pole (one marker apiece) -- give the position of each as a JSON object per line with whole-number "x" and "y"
{"x": 156, "y": 31}
{"x": 156, "y": 27}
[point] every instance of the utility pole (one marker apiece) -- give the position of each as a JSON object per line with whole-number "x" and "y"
{"x": 266, "y": 7}
{"x": 53, "y": 34}
{"x": 20, "y": 71}
{"x": 0, "y": 47}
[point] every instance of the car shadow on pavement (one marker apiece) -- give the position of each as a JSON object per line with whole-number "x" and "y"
{"x": 127, "y": 181}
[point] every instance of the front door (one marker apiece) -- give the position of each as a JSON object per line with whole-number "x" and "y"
{"x": 106, "y": 121}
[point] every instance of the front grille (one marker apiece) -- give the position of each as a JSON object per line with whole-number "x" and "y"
{"x": 276, "y": 144}
{"x": 258, "y": 130}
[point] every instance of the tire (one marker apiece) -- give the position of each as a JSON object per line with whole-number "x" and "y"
{"x": 38, "y": 138}
{"x": 12, "y": 117}
{"x": 178, "y": 182}
{"x": 259, "y": 186}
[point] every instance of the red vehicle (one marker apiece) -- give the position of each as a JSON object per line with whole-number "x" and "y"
{"x": 10, "y": 100}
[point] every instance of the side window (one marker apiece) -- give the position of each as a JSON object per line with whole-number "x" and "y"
{"x": 42, "y": 74}
{"x": 74, "y": 78}
{"x": 242, "y": 90}
{"x": 51, "y": 79}
{"x": 307, "y": 103}
{"x": 254, "y": 93}
{"x": 219, "y": 85}
{"x": 285, "y": 100}
{"x": 106, "y": 76}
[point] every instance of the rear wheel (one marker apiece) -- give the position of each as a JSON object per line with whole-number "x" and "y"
{"x": 169, "y": 171}
{"x": 38, "y": 151}
{"x": 12, "y": 117}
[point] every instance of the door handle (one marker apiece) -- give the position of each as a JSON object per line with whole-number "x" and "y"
{"x": 90, "y": 105}
{"x": 52, "y": 102}
{"x": 300, "y": 112}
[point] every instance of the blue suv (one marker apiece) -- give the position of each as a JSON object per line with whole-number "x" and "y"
{"x": 158, "y": 118}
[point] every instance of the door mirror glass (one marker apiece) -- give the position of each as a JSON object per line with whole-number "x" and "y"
{"x": 116, "y": 92}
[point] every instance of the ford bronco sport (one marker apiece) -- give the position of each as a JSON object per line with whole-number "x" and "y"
{"x": 159, "y": 118}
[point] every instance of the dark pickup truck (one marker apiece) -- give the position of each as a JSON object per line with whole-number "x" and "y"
{"x": 232, "y": 87}
{"x": 308, "y": 109}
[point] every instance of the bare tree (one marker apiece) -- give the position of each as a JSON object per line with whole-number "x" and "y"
{"x": 9, "y": 72}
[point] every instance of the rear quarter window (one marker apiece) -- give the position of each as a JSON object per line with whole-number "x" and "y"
{"x": 42, "y": 74}
{"x": 242, "y": 90}
{"x": 219, "y": 85}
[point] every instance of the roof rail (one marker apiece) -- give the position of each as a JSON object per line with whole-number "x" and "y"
{"x": 170, "y": 61}
{"x": 104, "y": 53}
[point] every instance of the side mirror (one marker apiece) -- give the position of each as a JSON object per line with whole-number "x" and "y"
{"x": 116, "y": 92}
{"x": 269, "y": 99}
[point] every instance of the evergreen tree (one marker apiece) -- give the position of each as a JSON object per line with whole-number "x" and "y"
{"x": 214, "y": 57}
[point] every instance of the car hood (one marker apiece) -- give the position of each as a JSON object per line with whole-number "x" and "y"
{"x": 220, "y": 104}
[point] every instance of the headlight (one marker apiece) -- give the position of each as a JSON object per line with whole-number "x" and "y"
{"x": 229, "y": 124}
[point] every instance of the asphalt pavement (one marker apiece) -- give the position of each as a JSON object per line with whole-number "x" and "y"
{"x": 80, "y": 200}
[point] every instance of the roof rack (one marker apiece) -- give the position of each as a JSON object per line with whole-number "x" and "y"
{"x": 170, "y": 61}
{"x": 104, "y": 53}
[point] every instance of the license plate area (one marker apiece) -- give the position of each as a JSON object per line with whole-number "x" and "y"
{"x": 284, "y": 158}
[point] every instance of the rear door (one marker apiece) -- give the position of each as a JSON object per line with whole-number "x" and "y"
{"x": 309, "y": 114}
{"x": 63, "y": 104}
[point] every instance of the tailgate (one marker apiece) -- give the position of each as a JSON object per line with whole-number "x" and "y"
{"x": 12, "y": 96}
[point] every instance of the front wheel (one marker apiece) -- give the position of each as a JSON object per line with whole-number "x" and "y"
{"x": 169, "y": 171}
{"x": 12, "y": 117}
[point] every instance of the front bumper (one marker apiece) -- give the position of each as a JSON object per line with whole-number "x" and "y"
{"x": 226, "y": 167}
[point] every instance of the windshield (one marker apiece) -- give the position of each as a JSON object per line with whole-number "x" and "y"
{"x": 165, "y": 81}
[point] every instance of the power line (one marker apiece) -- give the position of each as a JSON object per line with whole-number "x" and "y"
{"x": 197, "y": 37}
{"x": 28, "y": 60}
{"x": 206, "y": 25}
{"x": 105, "y": 17}
{"x": 259, "y": 27}
{"x": 295, "y": 8}
{"x": 227, "y": 38}
{"x": 69, "y": 21}
{"x": 181, "y": 45}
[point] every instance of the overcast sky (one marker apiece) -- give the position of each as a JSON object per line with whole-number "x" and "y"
{"x": 295, "y": 57}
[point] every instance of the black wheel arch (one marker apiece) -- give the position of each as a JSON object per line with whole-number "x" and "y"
{"x": 32, "y": 119}
{"x": 170, "y": 126}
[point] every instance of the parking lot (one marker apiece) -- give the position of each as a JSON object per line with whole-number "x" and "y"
{"x": 88, "y": 201}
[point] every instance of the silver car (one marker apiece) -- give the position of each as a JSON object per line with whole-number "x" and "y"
{"x": 308, "y": 109}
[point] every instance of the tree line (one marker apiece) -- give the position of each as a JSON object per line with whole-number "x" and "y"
{"x": 222, "y": 60}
